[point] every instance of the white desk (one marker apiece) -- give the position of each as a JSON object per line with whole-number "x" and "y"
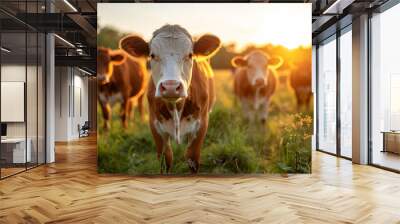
{"x": 19, "y": 149}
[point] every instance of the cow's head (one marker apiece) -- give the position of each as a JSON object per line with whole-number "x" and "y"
{"x": 171, "y": 52}
{"x": 257, "y": 64}
{"x": 106, "y": 59}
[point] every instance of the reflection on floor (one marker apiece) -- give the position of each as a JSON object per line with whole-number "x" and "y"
{"x": 387, "y": 159}
{"x": 346, "y": 152}
{"x": 10, "y": 171}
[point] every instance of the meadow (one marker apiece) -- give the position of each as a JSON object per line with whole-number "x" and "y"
{"x": 232, "y": 145}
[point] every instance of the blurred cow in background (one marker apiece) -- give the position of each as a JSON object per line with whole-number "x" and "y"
{"x": 300, "y": 81}
{"x": 255, "y": 82}
{"x": 121, "y": 78}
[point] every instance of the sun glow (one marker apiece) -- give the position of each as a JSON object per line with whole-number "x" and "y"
{"x": 240, "y": 23}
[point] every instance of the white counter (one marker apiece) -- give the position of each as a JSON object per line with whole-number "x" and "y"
{"x": 19, "y": 149}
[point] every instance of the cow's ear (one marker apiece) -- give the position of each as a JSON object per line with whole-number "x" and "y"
{"x": 118, "y": 58}
{"x": 135, "y": 46}
{"x": 275, "y": 62}
{"x": 238, "y": 61}
{"x": 207, "y": 45}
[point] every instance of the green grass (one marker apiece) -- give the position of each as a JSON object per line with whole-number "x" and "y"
{"x": 232, "y": 145}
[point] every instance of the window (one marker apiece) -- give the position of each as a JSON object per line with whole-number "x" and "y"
{"x": 385, "y": 89}
{"x": 327, "y": 96}
{"x": 346, "y": 94}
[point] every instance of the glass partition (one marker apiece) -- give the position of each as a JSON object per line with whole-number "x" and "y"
{"x": 385, "y": 89}
{"x": 327, "y": 96}
{"x": 31, "y": 97}
{"x": 346, "y": 94}
{"x": 41, "y": 78}
{"x": 22, "y": 78}
{"x": 15, "y": 151}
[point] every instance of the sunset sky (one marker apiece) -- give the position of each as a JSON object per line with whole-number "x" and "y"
{"x": 243, "y": 23}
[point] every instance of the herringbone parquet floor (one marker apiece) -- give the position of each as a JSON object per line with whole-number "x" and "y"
{"x": 71, "y": 191}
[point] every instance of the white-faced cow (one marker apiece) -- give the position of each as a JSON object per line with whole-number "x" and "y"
{"x": 181, "y": 93}
{"x": 255, "y": 83}
{"x": 120, "y": 77}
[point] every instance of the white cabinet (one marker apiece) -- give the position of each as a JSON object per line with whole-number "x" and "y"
{"x": 18, "y": 149}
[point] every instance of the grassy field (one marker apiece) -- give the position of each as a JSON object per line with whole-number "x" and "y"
{"x": 232, "y": 146}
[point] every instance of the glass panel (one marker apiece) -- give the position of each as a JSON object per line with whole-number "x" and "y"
{"x": 32, "y": 87}
{"x": 31, "y": 97}
{"x": 23, "y": 89}
{"x": 13, "y": 87}
{"x": 314, "y": 74}
{"x": 346, "y": 94}
{"x": 327, "y": 97}
{"x": 386, "y": 89}
{"x": 41, "y": 98}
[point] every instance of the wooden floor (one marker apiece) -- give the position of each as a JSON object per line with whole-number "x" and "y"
{"x": 71, "y": 191}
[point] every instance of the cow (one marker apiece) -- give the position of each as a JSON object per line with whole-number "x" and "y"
{"x": 255, "y": 83}
{"x": 300, "y": 81}
{"x": 181, "y": 91}
{"x": 120, "y": 77}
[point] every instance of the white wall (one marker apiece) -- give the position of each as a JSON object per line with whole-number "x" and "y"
{"x": 61, "y": 103}
{"x": 71, "y": 94}
{"x": 12, "y": 73}
{"x": 80, "y": 110}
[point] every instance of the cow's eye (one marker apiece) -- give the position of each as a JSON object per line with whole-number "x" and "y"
{"x": 188, "y": 57}
{"x": 154, "y": 57}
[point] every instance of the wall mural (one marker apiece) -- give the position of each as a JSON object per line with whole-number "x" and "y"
{"x": 204, "y": 88}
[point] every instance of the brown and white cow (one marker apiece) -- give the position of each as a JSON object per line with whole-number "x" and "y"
{"x": 300, "y": 81}
{"x": 120, "y": 77}
{"x": 255, "y": 83}
{"x": 181, "y": 93}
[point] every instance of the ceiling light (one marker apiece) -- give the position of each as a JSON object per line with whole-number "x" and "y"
{"x": 80, "y": 51}
{"x": 338, "y": 6}
{"x": 70, "y": 5}
{"x": 84, "y": 71}
{"x": 65, "y": 41}
{"x": 5, "y": 50}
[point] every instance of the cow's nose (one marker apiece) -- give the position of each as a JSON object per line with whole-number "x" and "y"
{"x": 259, "y": 82}
{"x": 171, "y": 89}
